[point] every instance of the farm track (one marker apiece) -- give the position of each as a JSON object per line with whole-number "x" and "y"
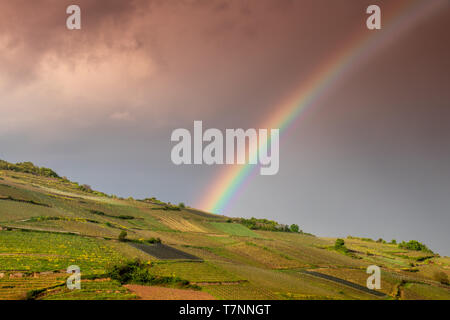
{"x": 344, "y": 282}
{"x": 165, "y": 252}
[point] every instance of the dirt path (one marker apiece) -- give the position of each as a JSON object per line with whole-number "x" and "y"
{"x": 161, "y": 293}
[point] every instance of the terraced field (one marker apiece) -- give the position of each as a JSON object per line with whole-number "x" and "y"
{"x": 15, "y": 286}
{"x": 91, "y": 290}
{"x": 41, "y": 251}
{"x": 198, "y": 272}
{"x": 244, "y": 291}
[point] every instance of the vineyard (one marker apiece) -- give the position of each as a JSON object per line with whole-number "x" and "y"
{"x": 48, "y": 224}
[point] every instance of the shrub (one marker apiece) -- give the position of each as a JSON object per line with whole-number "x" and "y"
{"x": 86, "y": 188}
{"x": 139, "y": 273}
{"x": 182, "y": 205}
{"x": 294, "y": 228}
{"x": 340, "y": 243}
{"x": 123, "y": 236}
{"x": 100, "y": 213}
{"x": 414, "y": 245}
{"x": 28, "y": 167}
{"x": 262, "y": 224}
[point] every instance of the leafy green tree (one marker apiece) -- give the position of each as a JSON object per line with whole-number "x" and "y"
{"x": 414, "y": 245}
{"x": 339, "y": 244}
{"x": 294, "y": 228}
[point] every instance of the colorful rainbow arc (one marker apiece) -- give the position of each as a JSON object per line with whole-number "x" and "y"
{"x": 360, "y": 49}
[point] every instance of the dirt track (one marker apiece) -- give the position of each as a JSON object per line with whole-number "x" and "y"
{"x": 344, "y": 282}
{"x": 161, "y": 293}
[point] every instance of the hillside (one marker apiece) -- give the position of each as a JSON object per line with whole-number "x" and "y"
{"x": 48, "y": 223}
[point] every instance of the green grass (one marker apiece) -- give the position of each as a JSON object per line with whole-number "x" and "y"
{"x": 17, "y": 288}
{"x": 36, "y": 251}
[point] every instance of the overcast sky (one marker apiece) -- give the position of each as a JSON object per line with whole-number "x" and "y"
{"x": 99, "y": 104}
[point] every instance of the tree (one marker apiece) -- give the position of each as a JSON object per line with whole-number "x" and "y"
{"x": 182, "y": 205}
{"x": 340, "y": 243}
{"x": 414, "y": 245}
{"x": 294, "y": 228}
{"x": 123, "y": 236}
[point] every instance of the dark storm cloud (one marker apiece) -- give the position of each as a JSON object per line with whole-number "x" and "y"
{"x": 99, "y": 104}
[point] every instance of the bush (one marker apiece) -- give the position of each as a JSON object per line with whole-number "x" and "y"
{"x": 123, "y": 236}
{"x": 261, "y": 224}
{"x": 125, "y": 217}
{"x": 441, "y": 277}
{"x": 339, "y": 244}
{"x": 414, "y": 245}
{"x": 182, "y": 205}
{"x": 139, "y": 273}
{"x": 28, "y": 167}
{"x": 86, "y": 188}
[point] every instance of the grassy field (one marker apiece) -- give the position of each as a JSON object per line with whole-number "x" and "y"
{"x": 41, "y": 251}
{"x": 234, "y": 229}
{"x": 48, "y": 224}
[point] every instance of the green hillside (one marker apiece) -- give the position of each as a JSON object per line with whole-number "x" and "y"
{"x": 48, "y": 223}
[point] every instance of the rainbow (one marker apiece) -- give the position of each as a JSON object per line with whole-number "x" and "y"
{"x": 363, "y": 46}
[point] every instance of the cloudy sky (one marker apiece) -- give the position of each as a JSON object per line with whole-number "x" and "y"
{"x": 98, "y": 105}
